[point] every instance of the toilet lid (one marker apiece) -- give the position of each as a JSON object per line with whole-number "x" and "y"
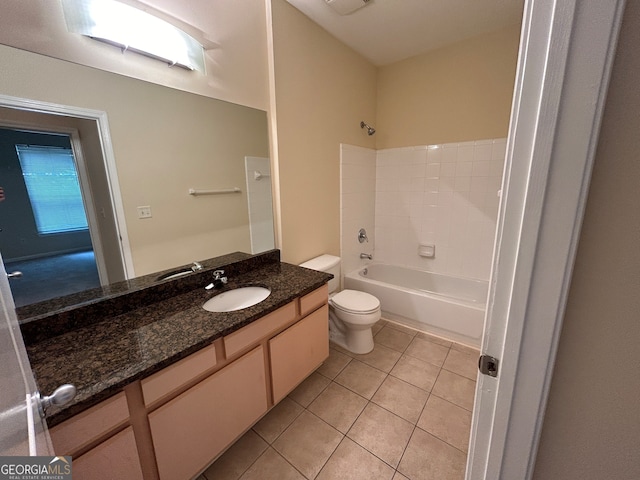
{"x": 353, "y": 301}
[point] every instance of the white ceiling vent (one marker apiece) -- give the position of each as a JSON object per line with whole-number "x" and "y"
{"x": 345, "y": 7}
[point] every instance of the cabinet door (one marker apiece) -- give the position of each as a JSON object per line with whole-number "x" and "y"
{"x": 298, "y": 351}
{"x": 87, "y": 427}
{"x": 116, "y": 457}
{"x": 193, "y": 428}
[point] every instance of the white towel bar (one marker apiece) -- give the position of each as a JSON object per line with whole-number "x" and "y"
{"x": 195, "y": 192}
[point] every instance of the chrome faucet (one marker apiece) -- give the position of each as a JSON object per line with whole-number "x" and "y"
{"x": 196, "y": 266}
{"x": 367, "y": 256}
{"x": 219, "y": 280}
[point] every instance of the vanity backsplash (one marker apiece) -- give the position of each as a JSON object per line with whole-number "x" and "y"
{"x": 44, "y": 320}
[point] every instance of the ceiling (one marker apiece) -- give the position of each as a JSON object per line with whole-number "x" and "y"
{"x": 383, "y": 31}
{"x": 386, "y": 31}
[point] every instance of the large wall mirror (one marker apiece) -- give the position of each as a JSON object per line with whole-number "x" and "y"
{"x": 135, "y": 166}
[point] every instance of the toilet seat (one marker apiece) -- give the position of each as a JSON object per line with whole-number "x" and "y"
{"x": 355, "y": 302}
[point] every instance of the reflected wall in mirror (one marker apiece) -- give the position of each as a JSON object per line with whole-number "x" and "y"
{"x": 164, "y": 142}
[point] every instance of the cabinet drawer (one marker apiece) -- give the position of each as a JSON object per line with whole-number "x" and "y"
{"x": 313, "y": 300}
{"x": 298, "y": 351}
{"x": 116, "y": 457}
{"x": 89, "y": 425}
{"x": 173, "y": 377}
{"x": 192, "y": 429}
{"x": 259, "y": 329}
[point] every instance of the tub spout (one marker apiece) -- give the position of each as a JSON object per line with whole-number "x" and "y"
{"x": 367, "y": 256}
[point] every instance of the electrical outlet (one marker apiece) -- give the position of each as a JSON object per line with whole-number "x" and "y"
{"x": 144, "y": 212}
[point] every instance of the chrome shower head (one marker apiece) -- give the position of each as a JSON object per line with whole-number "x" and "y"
{"x": 370, "y": 130}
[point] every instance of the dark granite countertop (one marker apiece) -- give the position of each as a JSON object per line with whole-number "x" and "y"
{"x": 104, "y": 354}
{"x": 124, "y": 289}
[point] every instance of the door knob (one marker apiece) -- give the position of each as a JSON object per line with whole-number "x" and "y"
{"x": 61, "y": 396}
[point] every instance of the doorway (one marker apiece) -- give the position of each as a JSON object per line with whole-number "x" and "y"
{"x": 82, "y": 249}
{"x": 44, "y": 229}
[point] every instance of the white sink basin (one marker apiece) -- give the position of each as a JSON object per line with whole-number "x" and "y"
{"x": 236, "y": 299}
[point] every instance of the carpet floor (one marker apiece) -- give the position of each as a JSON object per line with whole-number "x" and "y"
{"x": 48, "y": 277}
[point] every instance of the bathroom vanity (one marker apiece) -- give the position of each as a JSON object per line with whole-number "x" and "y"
{"x": 165, "y": 387}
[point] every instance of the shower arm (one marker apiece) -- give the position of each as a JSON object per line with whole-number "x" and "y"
{"x": 370, "y": 130}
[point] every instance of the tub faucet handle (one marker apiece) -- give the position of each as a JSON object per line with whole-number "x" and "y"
{"x": 362, "y": 235}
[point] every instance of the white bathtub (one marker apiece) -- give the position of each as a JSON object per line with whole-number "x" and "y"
{"x": 446, "y": 306}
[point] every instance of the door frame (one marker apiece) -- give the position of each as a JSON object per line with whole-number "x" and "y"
{"x": 566, "y": 54}
{"x": 108, "y": 156}
{"x": 83, "y": 180}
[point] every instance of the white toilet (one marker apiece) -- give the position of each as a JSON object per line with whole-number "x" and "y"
{"x": 351, "y": 313}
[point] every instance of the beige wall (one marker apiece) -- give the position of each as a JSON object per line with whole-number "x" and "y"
{"x": 592, "y": 424}
{"x": 458, "y": 93}
{"x": 236, "y": 67}
{"x": 323, "y": 91}
{"x": 165, "y": 141}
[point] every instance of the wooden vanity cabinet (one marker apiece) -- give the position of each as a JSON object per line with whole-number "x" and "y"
{"x": 298, "y": 351}
{"x": 191, "y": 429}
{"x": 174, "y": 377}
{"x": 100, "y": 442}
{"x": 116, "y": 457}
{"x": 276, "y": 353}
{"x": 173, "y": 424}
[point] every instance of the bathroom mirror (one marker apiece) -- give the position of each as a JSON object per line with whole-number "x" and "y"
{"x": 165, "y": 142}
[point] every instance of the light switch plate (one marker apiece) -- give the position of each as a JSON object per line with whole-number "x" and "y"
{"x": 144, "y": 212}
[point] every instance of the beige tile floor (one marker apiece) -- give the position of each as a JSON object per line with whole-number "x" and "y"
{"x": 402, "y": 411}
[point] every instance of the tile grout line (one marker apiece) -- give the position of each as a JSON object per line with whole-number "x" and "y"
{"x": 370, "y": 401}
{"x": 342, "y": 436}
{"x": 415, "y": 426}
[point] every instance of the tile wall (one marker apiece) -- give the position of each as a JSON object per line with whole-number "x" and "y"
{"x": 444, "y": 195}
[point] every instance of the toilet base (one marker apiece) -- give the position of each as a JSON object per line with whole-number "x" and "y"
{"x": 358, "y": 341}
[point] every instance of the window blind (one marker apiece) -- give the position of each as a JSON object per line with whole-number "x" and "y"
{"x": 54, "y": 191}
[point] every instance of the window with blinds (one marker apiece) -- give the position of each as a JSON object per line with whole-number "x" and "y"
{"x": 54, "y": 191}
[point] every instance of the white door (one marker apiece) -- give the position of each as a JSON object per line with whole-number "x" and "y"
{"x": 22, "y": 431}
{"x": 566, "y": 53}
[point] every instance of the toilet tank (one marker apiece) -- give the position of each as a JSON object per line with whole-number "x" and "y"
{"x": 328, "y": 264}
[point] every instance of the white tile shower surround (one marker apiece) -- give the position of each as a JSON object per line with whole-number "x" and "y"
{"x": 445, "y": 195}
{"x": 402, "y": 411}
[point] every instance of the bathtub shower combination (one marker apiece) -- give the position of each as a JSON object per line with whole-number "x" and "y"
{"x": 443, "y": 305}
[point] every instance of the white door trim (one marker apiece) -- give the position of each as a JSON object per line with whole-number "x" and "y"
{"x": 102, "y": 124}
{"x": 87, "y": 195}
{"x": 566, "y": 53}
